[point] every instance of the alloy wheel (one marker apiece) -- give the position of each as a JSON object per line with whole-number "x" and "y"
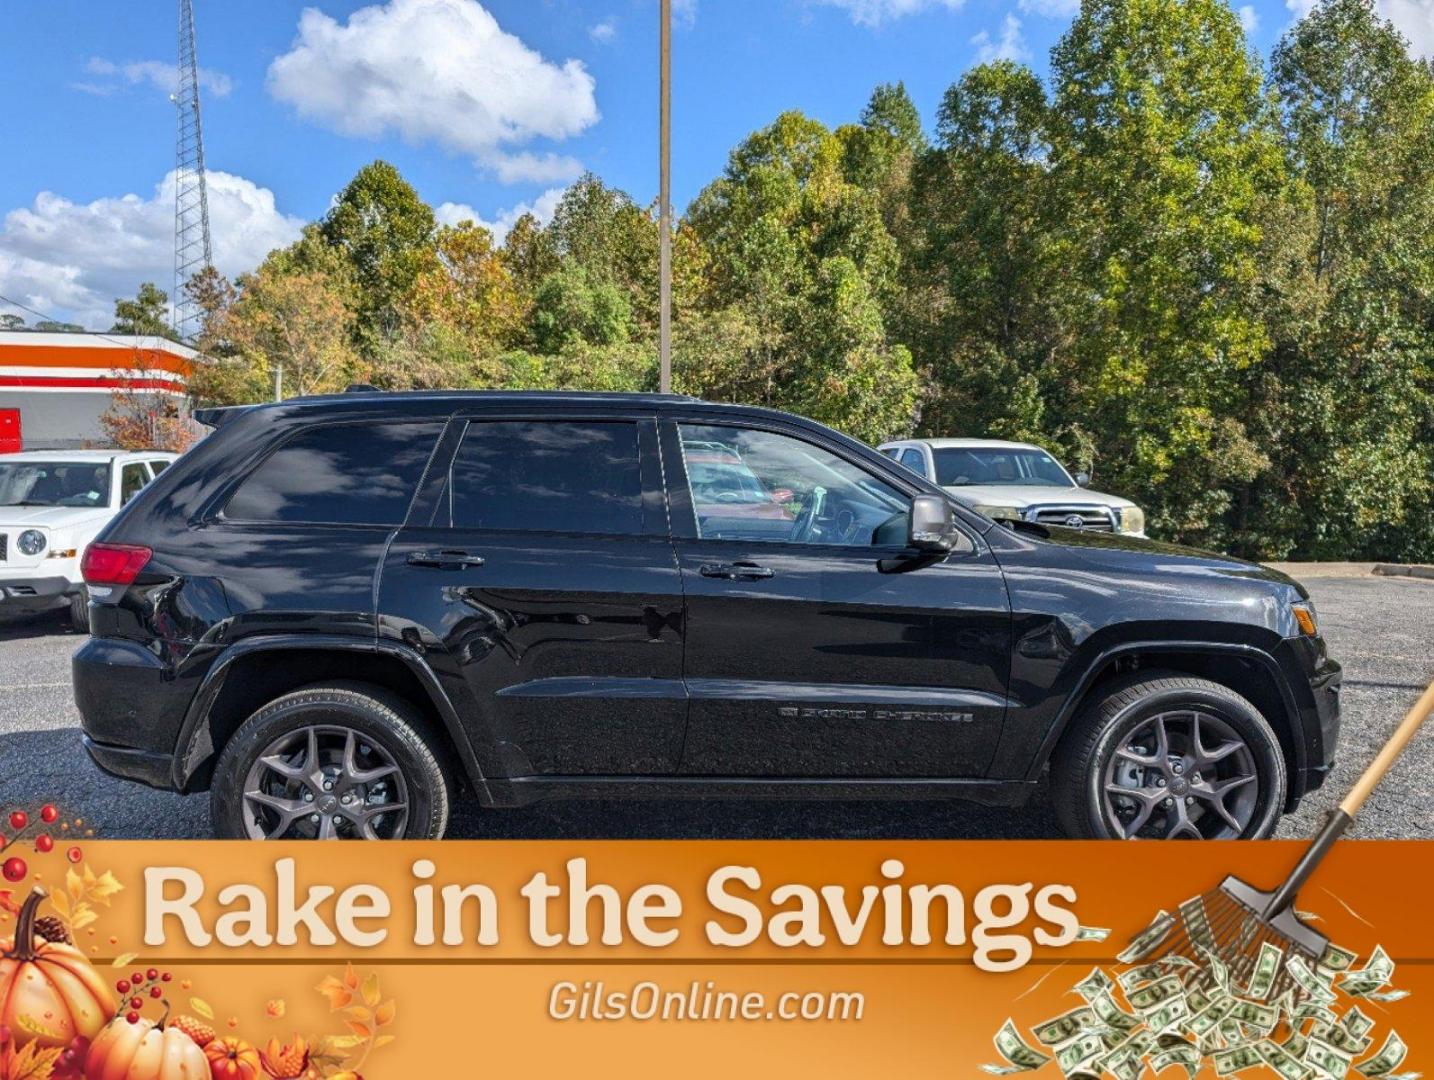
{"x": 325, "y": 782}
{"x": 1180, "y": 774}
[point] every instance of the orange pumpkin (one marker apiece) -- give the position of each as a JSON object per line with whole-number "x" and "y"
{"x": 232, "y": 1058}
{"x": 144, "y": 1050}
{"x": 49, "y": 993}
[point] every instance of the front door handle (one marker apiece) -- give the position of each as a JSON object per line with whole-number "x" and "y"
{"x": 444, "y": 560}
{"x": 736, "y": 571}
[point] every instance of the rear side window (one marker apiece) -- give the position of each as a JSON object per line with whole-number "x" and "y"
{"x": 548, "y": 476}
{"x": 132, "y": 478}
{"x": 343, "y": 474}
{"x": 913, "y": 460}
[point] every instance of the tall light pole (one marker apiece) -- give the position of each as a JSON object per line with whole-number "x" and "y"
{"x": 664, "y": 268}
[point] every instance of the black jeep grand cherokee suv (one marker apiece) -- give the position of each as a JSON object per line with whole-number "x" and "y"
{"x": 340, "y": 614}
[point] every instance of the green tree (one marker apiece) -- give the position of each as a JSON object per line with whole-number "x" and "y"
{"x": 1343, "y": 403}
{"x": 386, "y": 233}
{"x": 614, "y": 240}
{"x": 572, "y": 309}
{"x": 1162, "y": 153}
{"x": 147, "y": 313}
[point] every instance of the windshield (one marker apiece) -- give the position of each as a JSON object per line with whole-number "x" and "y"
{"x": 998, "y": 466}
{"x": 54, "y": 483}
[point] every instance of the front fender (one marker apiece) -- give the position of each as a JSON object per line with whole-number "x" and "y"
{"x": 196, "y": 744}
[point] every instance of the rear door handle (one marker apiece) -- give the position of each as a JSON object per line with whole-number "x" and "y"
{"x": 736, "y": 571}
{"x": 444, "y": 560}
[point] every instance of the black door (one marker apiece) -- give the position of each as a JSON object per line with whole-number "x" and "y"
{"x": 804, "y": 658}
{"x": 544, "y": 592}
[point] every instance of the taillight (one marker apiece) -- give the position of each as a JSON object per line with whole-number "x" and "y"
{"x": 113, "y": 564}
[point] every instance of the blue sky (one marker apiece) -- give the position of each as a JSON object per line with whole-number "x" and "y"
{"x": 487, "y": 107}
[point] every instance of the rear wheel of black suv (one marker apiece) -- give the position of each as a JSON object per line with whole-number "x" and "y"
{"x": 343, "y": 761}
{"x": 1168, "y": 756}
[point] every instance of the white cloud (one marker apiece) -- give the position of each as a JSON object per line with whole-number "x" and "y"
{"x": 604, "y": 32}
{"x": 1011, "y": 45}
{"x": 1249, "y": 18}
{"x": 72, "y": 260}
{"x": 542, "y": 208}
{"x": 1415, "y": 20}
{"x": 1301, "y": 8}
{"x": 156, "y": 73}
{"x": 440, "y": 71}
{"x": 684, "y": 13}
{"x": 876, "y": 12}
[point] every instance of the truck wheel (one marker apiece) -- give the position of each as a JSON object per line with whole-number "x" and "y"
{"x": 1167, "y": 756}
{"x": 80, "y": 611}
{"x": 344, "y": 761}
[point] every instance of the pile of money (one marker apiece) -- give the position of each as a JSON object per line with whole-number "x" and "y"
{"x": 1192, "y": 1012}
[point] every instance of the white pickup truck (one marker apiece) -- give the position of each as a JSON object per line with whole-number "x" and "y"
{"x": 53, "y": 503}
{"x": 1020, "y": 481}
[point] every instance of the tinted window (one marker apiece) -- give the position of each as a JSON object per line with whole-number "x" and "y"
{"x": 342, "y": 474}
{"x": 158, "y": 465}
{"x": 962, "y": 466}
{"x": 548, "y": 476}
{"x": 54, "y": 483}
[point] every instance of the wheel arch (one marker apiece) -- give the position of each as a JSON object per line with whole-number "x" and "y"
{"x": 1250, "y": 671}
{"x": 256, "y": 670}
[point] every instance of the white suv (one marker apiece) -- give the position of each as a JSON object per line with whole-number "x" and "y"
{"x": 53, "y": 503}
{"x": 1016, "y": 481}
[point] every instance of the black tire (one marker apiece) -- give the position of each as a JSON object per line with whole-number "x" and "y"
{"x": 1117, "y": 711}
{"x": 80, "y": 611}
{"x": 381, "y": 719}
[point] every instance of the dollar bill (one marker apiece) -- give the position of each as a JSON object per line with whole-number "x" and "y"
{"x": 1168, "y": 1015}
{"x": 1256, "y": 1014}
{"x": 1375, "y": 975}
{"x": 1197, "y": 923}
{"x": 1092, "y": 933}
{"x": 1236, "y": 1059}
{"x": 1142, "y": 973}
{"x": 1355, "y": 1022}
{"x": 1340, "y": 1037}
{"x": 1286, "y": 1064}
{"x": 1217, "y": 970}
{"x": 1296, "y": 1044}
{"x": 1208, "y": 1019}
{"x": 1336, "y": 959}
{"x": 1144, "y": 999}
{"x": 1391, "y": 1055}
{"x": 1313, "y": 1010}
{"x": 1149, "y": 939}
{"x": 1112, "y": 1015}
{"x": 1064, "y": 1028}
{"x": 1387, "y": 995}
{"x": 1186, "y": 1056}
{"x": 1078, "y": 1053}
{"x": 1308, "y": 981}
{"x": 1267, "y": 966}
{"x": 1094, "y": 984}
{"x": 1328, "y": 1059}
{"x": 1019, "y": 1056}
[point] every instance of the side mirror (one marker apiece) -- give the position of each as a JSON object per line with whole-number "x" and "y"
{"x": 1082, "y": 479}
{"x": 931, "y": 526}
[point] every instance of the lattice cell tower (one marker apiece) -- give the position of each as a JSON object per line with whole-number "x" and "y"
{"x": 192, "y": 251}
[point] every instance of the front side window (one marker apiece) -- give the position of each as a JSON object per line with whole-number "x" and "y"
{"x": 548, "y": 476}
{"x": 755, "y": 485}
{"x": 54, "y": 483}
{"x": 963, "y": 467}
{"x": 342, "y": 474}
{"x": 912, "y": 459}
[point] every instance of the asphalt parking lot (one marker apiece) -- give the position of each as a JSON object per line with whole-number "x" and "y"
{"x": 1378, "y": 627}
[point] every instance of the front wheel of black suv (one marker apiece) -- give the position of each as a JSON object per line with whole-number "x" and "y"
{"x": 343, "y": 761}
{"x": 1159, "y": 755}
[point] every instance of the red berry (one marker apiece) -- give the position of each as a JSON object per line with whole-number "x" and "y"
{"x": 48, "y": 813}
{"x": 155, "y": 991}
{"x": 166, "y": 977}
{"x": 137, "y": 978}
{"x": 152, "y": 974}
{"x": 136, "y": 1003}
{"x": 14, "y": 869}
{"x": 122, "y": 986}
{"x": 19, "y": 819}
{"x": 74, "y": 854}
{"x": 43, "y": 844}
{"x": 132, "y": 1017}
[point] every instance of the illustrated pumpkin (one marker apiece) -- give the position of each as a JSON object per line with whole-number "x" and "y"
{"x": 144, "y": 1050}
{"x": 49, "y": 993}
{"x": 231, "y": 1058}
